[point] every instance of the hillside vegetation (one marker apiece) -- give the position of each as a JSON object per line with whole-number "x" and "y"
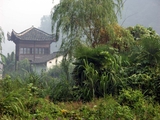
{"x": 105, "y": 83}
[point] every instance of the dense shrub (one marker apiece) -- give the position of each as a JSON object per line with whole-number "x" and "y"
{"x": 97, "y": 71}
{"x": 138, "y": 103}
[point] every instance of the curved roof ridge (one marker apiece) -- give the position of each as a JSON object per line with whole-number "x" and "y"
{"x": 29, "y": 29}
{"x": 25, "y": 31}
{"x": 16, "y": 34}
{"x": 42, "y": 31}
{"x": 33, "y": 33}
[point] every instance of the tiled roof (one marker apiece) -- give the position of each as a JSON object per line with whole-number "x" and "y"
{"x": 31, "y": 34}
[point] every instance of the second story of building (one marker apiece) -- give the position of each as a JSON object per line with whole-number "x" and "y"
{"x": 31, "y": 43}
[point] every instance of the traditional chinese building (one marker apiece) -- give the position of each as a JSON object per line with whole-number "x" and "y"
{"x": 33, "y": 44}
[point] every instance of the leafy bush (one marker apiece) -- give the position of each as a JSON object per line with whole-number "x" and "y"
{"x": 61, "y": 90}
{"x": 97, "y": 71}
{"x": 21, "y": 100}
{"x": 149, "y": 53}
{"x": 142, "y": 108}
{"x": 98, "y": 109}
{"x": 56, "y": 72}
{"x": 139, "y": 32}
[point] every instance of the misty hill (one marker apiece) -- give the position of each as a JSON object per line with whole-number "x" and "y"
{"x": 143, "y": 12}
{"x": 47, "y": 27}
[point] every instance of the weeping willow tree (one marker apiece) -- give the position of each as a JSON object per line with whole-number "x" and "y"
{"x": 85, "y": 20}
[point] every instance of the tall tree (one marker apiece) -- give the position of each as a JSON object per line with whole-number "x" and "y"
{"x": 85, "y": 19}
{"x": 1, "y": 34}
{"x": 1, "y": 37}
{"x": 8, "y": 63}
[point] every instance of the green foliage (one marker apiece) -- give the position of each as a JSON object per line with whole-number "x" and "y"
{"x": 139, "y": 32}
{"x": 23, "y": 65}
{"x": 100, "y": 109}
{"x": 1, "y": 36}
{"x": 142, "y": 108}
{"x": 131, "y": 76}
{"x": 66, "y": 68}
{"x": 123, "y": 40}
{"x": 61, "y": 87}
{"x": 8, "y": 63}
{"x": 130, "y": 97}
{"x": 150, "y": 50}
{"x": 155, "y": 84}
{"x": 55, "y": 72}
{"x": 62, "y": 91}
{"x": 61, "y": 71}
{"x": 83, "y": 20}
{"x": 143, "y": 70}
{"x": 11, "y": 103}
{"x": 147, "y": 52}
{"x": 102, "y": 70}
{"x": 23, "y": 99}
{"x": 40, "y": 85}
{"x": 97, "y": 71}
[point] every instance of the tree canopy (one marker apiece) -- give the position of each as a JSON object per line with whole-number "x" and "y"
{"x": 85, "y": 19}
{"x": 1, "y": 34}
{"x": 8, "y": 63}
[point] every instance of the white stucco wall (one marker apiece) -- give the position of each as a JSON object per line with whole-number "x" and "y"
{"x": 53, "y": 62}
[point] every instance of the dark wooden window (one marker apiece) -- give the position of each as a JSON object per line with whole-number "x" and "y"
{"x": 36, "y": 50}
{"x": 31, "y": 50}
{"x": 40, "y": 51}
{"x": 21, "y": 51}
{"x": 24, "y": 50}
{"x": 46, "y": 51}
{"x": 27, "y": 50}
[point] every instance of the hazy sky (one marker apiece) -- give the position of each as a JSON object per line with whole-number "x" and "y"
{"x": 20, "y": 15}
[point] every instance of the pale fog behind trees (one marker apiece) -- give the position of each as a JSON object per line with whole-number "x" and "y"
{"x": 46, "y": 26}
{"x": 143, "y": 12}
